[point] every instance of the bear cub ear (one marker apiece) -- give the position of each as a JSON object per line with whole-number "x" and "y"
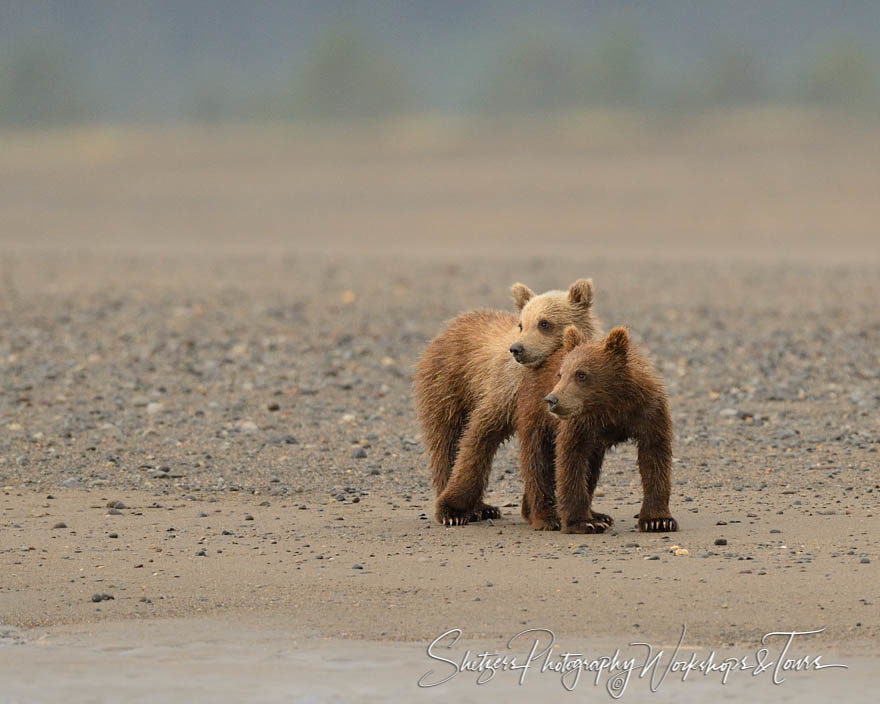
{"x": 617, "y": 341}
{"x": 571, "y": 338}
{"x": 581, "y": 293}
{"x": 521, "y": 295}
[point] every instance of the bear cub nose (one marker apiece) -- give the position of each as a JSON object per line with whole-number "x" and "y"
{"x": 551, "y": 400}
{"x": 516, "y": 349}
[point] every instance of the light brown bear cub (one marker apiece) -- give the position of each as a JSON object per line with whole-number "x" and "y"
{"x": 605, "y": 392}
{"x": 466, "y": 384}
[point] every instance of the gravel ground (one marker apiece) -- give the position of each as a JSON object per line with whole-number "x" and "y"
{"x": 287, "y": 398}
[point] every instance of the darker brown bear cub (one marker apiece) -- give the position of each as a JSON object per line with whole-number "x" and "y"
{"x": 605, "y": 392}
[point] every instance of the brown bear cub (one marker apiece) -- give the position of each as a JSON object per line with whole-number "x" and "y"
{"x": 466, "y": 384}
{"x": 605, "y": 392}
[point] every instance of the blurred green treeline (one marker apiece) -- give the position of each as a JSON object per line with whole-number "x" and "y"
{"x": 345, "y": 72}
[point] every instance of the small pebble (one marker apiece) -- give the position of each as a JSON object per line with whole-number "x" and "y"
{"x": 357, "y": 566}
{"x": 60, "y": 524}
{"x": 721, "y": 541}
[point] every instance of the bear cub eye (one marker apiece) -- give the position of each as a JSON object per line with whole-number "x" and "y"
{"x": 543, "y": 324}
{"x": 520, "y": 327}
{"x": 559, "y": 376}
{"x": 581, "y": 376}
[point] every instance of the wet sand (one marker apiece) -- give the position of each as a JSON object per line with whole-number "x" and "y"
{"x": 259, "y": 660}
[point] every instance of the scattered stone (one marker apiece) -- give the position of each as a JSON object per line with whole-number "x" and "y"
{"x": 357, "y": 566}
{"x": 60, "y": 524}
{"x": 116, "y": 504}
{"x": 865, "y": 561}
{"x": 721, "y": 541}
{"x": 113, "y": 535}
{"x": 248, "y": 517}
{"x": 359, "y": 453}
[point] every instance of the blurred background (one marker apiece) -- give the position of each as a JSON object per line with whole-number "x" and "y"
{"x": 688, "y": 128}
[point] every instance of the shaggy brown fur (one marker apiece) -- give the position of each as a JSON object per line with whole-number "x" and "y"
{"x": 605, "y": 393}
{"x": 466, "y": 384}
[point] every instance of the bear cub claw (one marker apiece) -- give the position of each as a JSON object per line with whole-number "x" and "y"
{"x": 449, "y": 516}
{"x": 663, "y": 524}
{"x": 597, "y": 523}
{"x": 603, "y": 518}
{"x": 485, "y": 511}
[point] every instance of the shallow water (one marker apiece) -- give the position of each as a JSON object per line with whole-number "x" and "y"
{"x": 186, "y": 660}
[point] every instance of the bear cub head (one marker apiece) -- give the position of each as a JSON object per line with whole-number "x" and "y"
{"x": 544, "y": 318}
{"x": 591, "y": 374}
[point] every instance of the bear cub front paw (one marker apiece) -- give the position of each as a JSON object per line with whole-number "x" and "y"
{"x": 596, "y": 523}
